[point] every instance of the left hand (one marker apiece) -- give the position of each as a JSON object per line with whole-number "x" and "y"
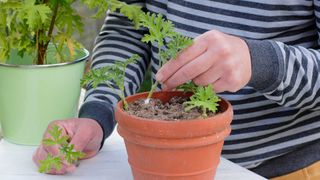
{"x": 85, "y": 134}
{"x": 214, "y": 58}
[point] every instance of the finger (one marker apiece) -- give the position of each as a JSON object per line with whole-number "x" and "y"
{"x": 81, "y": 143}
{"x": 198, "y": 47}
{"x": 90, "y": 154}
{"x": 210, "y": 76}
{"x": 39, "y": 155}
{"x": 220, "y": 86}
{"x": 191, "y": 70}
{"x": 81, "y": 138}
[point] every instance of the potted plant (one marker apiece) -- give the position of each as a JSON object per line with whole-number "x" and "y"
{"x": 40, "y": 66}
{"x": 160, "y": 143}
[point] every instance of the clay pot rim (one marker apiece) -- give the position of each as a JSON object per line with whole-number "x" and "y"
{"x": 173, "y": 129}
{"x": 144, "y": 94}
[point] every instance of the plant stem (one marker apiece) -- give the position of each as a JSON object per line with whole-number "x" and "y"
{"x": 154, "y": 86}
{"x": 204, "y": 113}
{"x": 53, "y": 20}
{"x": 43, "y": 46}
{"x": 58, "y": 51}
{"x": 125, "y": 103}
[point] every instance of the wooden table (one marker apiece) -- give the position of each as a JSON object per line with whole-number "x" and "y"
{"x": 109, "y": 164}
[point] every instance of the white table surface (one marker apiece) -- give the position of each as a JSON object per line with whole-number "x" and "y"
{"x": 109, "y": 164}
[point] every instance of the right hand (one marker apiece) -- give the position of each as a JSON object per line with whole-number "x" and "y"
{"x": 85, "y": 134}
{"x": 214, "y": 58}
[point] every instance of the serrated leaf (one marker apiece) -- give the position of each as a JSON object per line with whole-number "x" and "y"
{"x": 132, "y": 12}
{"x": 188, "y": 87}
{"x": 203, "y": 98}
{"x": 70, "y": 154}
{"x": 68, "y": 21}
{"x": 113, "y": 76}
{"x": 55, "y": 132}
{"x": 49, "y": 163}
{"x": 66, "y": 151}
{"x": 35, "y": 14}
{"x": 176, "y": 44}
{"x": 49, "y": 142}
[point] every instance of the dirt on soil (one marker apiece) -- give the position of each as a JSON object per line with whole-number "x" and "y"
{"x": 170, "y": 111}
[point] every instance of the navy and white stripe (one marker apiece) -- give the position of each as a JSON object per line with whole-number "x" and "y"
{"x": 271, "y": 119}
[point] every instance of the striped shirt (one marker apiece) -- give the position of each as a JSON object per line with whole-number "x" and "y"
{"x": 278, "y": 111}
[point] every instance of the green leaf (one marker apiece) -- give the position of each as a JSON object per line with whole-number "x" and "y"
{"x": 188, "y": 87}
{"x": 132, "y": 12}
{"x": 71, "y": 155}
{"x": 49, "y": 163}
{"x": 49, "y": 142}
{"x": 205, "y": 99}
{"x": 35, "y": 14}
{"x": 5, "y": 4}
{"x": 55, "y": 132}
{"x": 113, "y": 76}
{"x": 63, "y": 40}
{"x": 159, "y": 28}
{"x": 176, "y": 44}
{"x": 66, "y": 151}
{"x": 96, "y": 77}
{"x": 69, "y": 21}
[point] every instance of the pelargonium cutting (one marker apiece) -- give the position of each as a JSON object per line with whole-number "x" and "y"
{"x": 170, "y": 43}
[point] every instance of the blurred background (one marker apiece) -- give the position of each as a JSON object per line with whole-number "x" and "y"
{"x": 92, "y": 27}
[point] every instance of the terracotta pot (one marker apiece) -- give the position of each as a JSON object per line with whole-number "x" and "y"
{"x": 173, "y": 150}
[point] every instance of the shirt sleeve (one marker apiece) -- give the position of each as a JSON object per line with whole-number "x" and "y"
{"x": 287, "y": 74}
{"x": 117, "y": 41}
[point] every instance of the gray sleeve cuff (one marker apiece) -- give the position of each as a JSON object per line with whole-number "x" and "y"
{"x": 103, "y": 113}
{"x": 266, "y": 63}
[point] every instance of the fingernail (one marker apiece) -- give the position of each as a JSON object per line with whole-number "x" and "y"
{"x": 159, "y": 77}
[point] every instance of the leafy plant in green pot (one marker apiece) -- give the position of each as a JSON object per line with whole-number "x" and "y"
{"x": 40, "y": 66}
{"x": 185, "y": 143}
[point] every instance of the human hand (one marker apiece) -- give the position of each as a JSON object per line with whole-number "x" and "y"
{"x": 214, "y": 58}
{"x": 85, "y": 134}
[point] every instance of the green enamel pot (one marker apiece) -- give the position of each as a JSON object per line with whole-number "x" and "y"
{"x": 31, "y": 96}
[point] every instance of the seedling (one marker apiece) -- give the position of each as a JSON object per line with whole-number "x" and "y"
{"x": 111, "y": 75}
{"x": 203, "y": 98}
{"x": 66, "y": 155}
{"x": 170, "y": 43}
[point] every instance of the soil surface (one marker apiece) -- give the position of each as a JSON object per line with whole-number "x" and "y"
{"x": 170, "y": 111}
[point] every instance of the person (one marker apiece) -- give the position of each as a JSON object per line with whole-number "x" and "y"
{"x": 262, "y": 56}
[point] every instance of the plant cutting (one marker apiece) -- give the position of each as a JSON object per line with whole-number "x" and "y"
{"x": 66, "y": 155}
{"x": 163, "y": 144}
{"x": 41, "y": 65}
{"x": 108, "y": 74}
